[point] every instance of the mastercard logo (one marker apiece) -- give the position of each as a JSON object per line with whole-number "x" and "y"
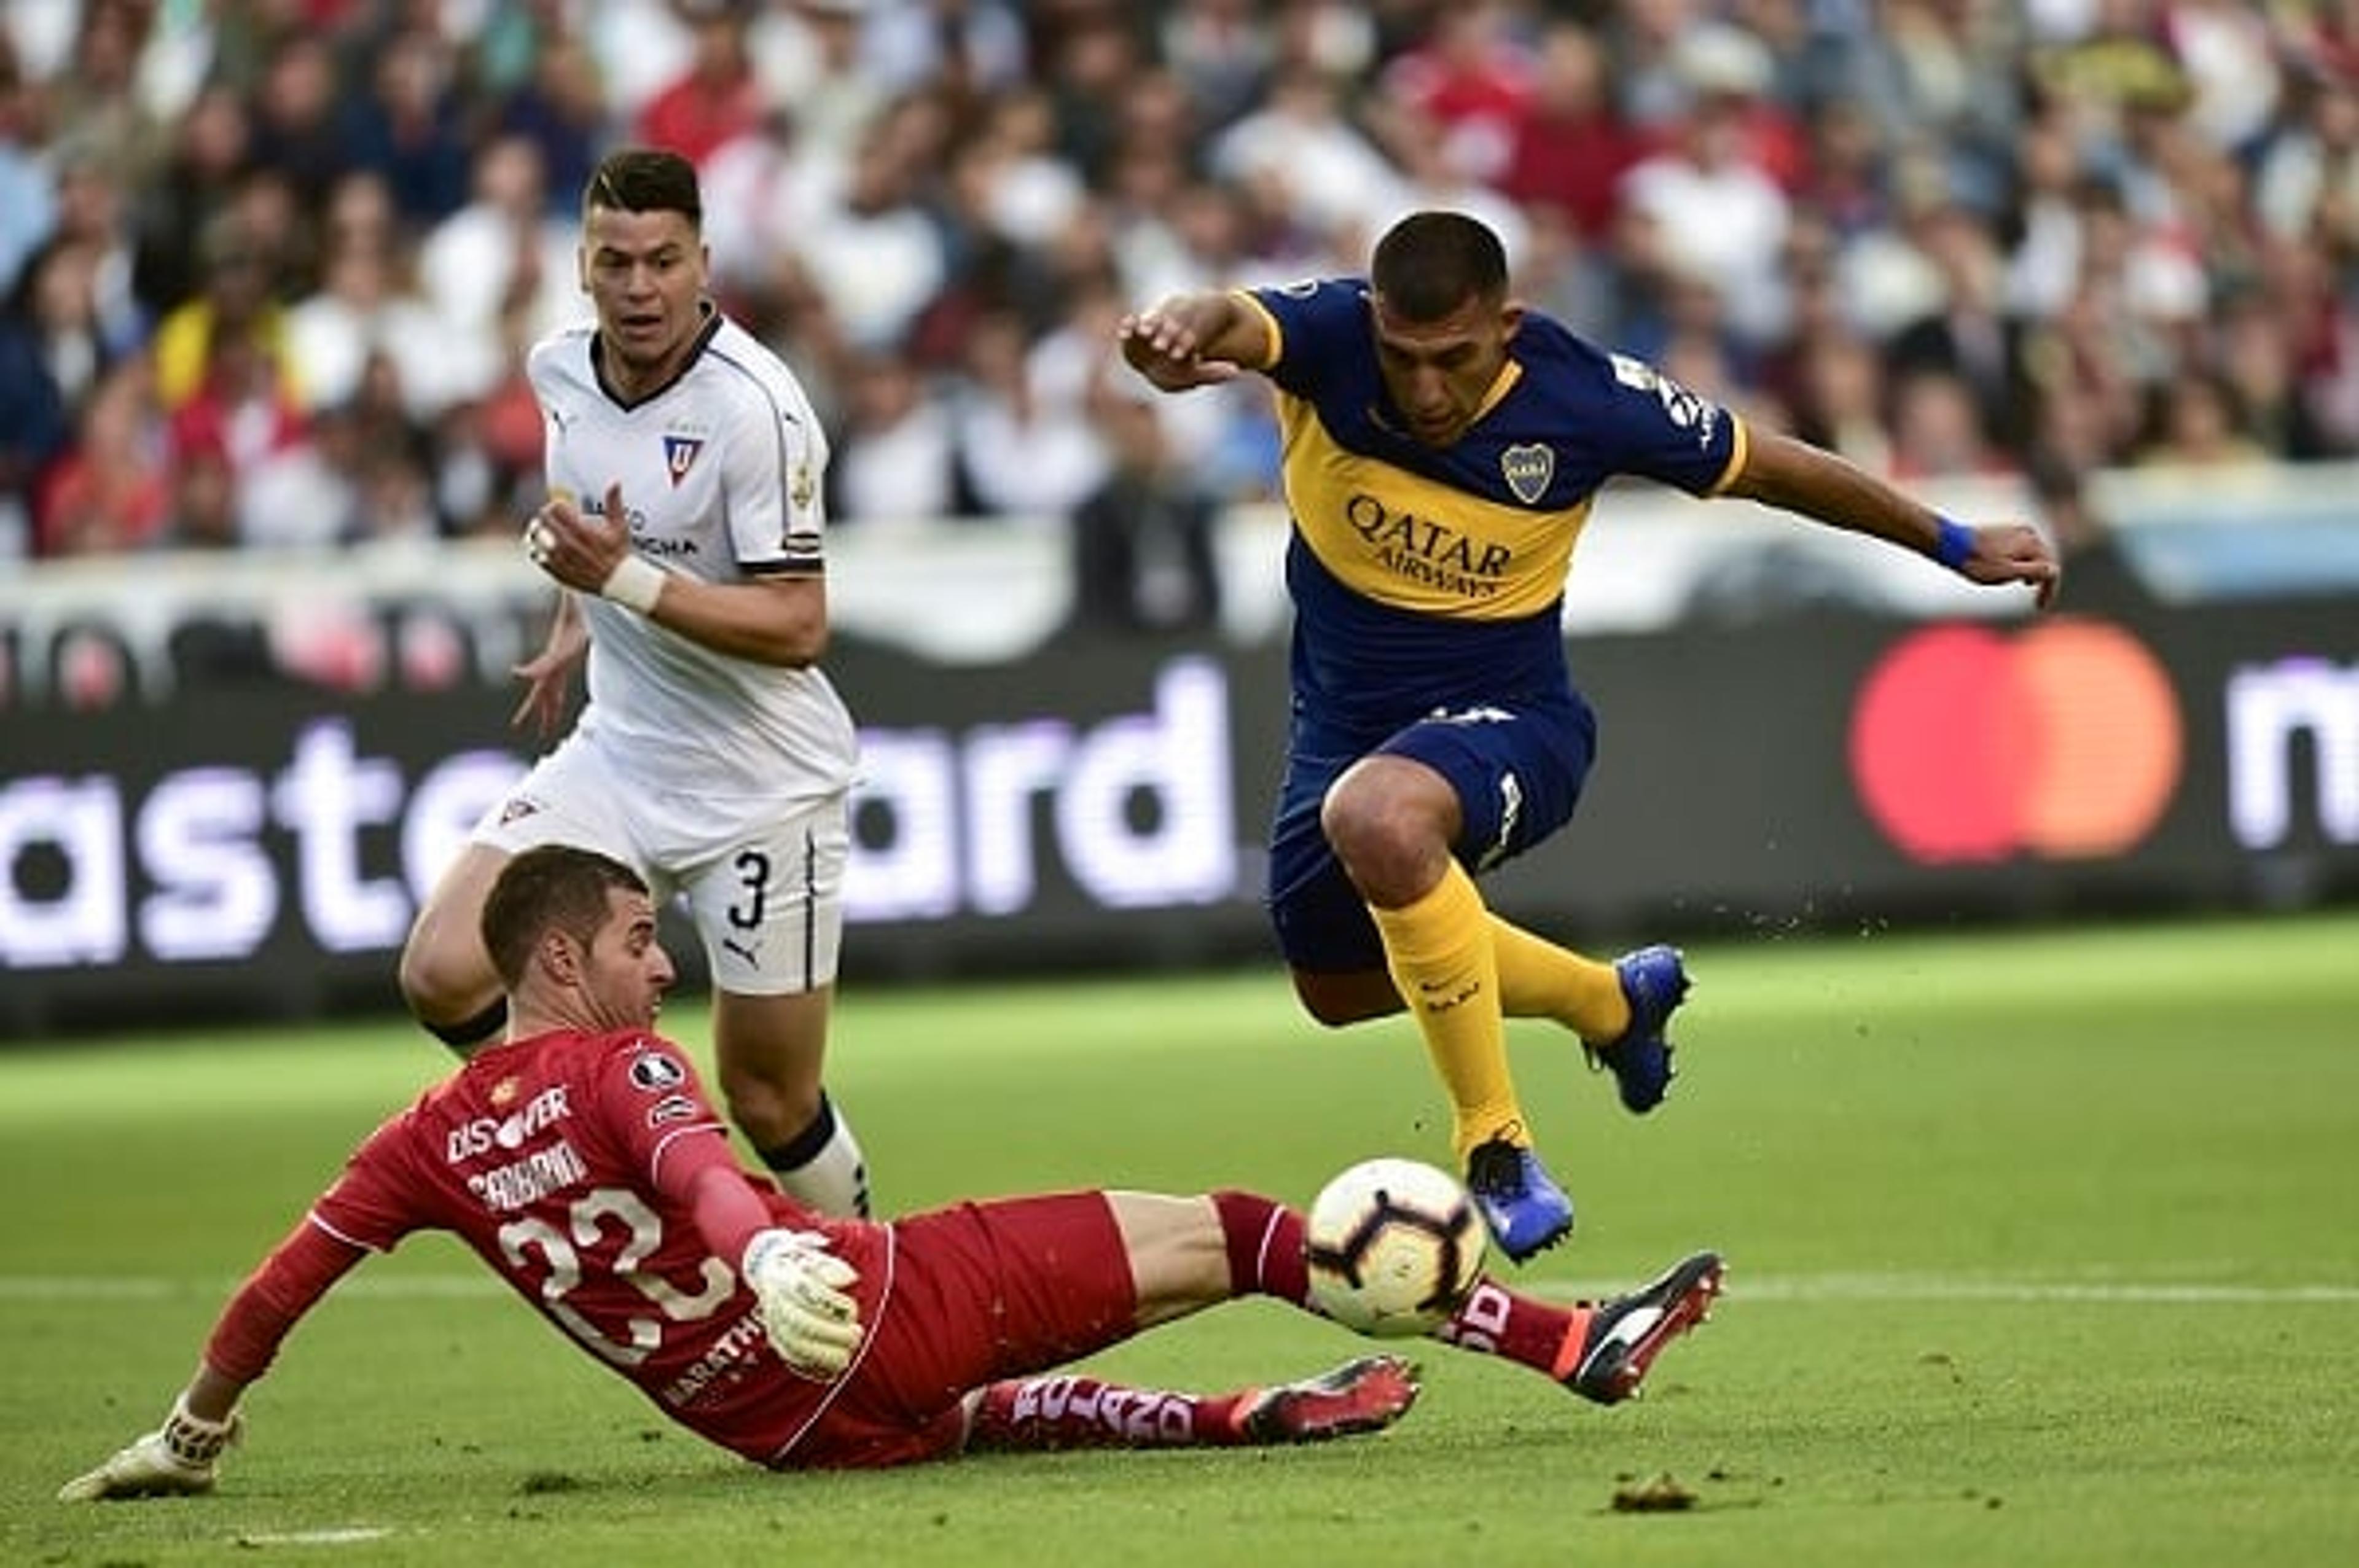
{"x": 2062, "y": 740}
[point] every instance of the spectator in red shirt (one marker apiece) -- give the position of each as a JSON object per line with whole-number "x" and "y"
{"x": 1473, "y": 78}
{"x": 718, "y": 97}
{"x": 108, "y": 492}
{"x": 1571, "y": 147}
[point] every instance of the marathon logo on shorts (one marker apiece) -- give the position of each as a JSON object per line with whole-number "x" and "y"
{"x": 517, "y": 808}
{"x": 1528, "y": 467}
{"x": 726, "y": 1363}
{"x": 654, "y": 1072}
{"x": 679, "y": 456}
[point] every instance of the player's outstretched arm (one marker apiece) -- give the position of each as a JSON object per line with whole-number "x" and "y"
{"x": 183, "y": 1455}
{"x": 1812, "y": 483}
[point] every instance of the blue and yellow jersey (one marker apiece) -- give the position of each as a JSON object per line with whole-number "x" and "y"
{"x": 1433, "y": 577}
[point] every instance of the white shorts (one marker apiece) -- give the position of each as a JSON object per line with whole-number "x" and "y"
{"x": 762, "y": 880}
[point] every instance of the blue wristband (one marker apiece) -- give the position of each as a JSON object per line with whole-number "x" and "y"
{"x": 1953, "y": 543}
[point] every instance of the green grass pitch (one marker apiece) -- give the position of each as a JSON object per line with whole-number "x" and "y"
{"x": 2044, "y": 1249}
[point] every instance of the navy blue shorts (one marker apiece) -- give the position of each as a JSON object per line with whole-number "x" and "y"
{"x": 1517, "y": 768}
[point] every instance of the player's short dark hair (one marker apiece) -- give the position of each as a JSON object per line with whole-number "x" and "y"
{"x": 645, "y": 179}
{"x": 1430, "y": 263}
{"x": 550, "y": 887}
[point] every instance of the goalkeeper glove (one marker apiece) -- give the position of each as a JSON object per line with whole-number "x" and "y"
{"x": 807, "y": 1309}
{"x": 178, "y": 1458}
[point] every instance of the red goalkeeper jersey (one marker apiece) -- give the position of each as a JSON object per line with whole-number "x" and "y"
{"x": 576, "y": 1167}
{"x": 563, "y": 1161}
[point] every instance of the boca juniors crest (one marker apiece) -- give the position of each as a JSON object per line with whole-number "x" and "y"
{"x": 1528, "y": 467}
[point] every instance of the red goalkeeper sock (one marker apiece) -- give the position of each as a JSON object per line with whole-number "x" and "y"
{"x": 1496, "y": 1321}
{"x": 1040, "y": 1414}
{"x": 1265, "y": 1241}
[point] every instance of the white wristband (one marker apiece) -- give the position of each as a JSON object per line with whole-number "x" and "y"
{"x": 636, "y": 583}
{"x": 194, "y": 1441}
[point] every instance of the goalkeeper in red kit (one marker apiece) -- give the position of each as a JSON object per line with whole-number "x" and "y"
{"x": 582, "y": 1162}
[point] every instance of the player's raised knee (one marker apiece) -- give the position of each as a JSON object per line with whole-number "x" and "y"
{"x": 1335, "y": 998}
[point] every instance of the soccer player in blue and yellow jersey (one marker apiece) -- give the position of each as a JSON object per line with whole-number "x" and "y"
{"x": 1442, "y": 446}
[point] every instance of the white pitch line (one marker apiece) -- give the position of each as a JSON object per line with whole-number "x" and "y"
{"x": 1743, "y": 1287}
{"x": 338, "y": 1535}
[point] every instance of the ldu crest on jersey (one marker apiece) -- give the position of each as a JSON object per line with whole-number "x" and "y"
{"x": 679, "y": 455}
{"x": 1528, "y": 467}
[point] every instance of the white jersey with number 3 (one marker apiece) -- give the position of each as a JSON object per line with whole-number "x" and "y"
{"x": 720, "y": 474}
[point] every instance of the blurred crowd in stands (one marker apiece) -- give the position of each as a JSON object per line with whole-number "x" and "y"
{"x": 269, "y": 265}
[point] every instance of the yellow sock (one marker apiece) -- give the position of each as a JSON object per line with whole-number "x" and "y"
{"x": 1438, "y": 950}
{"x": 1539, "y": 979}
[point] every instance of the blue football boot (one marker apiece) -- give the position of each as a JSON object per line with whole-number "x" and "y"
{"x": 1524, "y": 1210}
{"x": 1654, "y": 981}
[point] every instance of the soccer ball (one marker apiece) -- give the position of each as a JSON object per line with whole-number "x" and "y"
{"x": 1393, "y": 1247}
